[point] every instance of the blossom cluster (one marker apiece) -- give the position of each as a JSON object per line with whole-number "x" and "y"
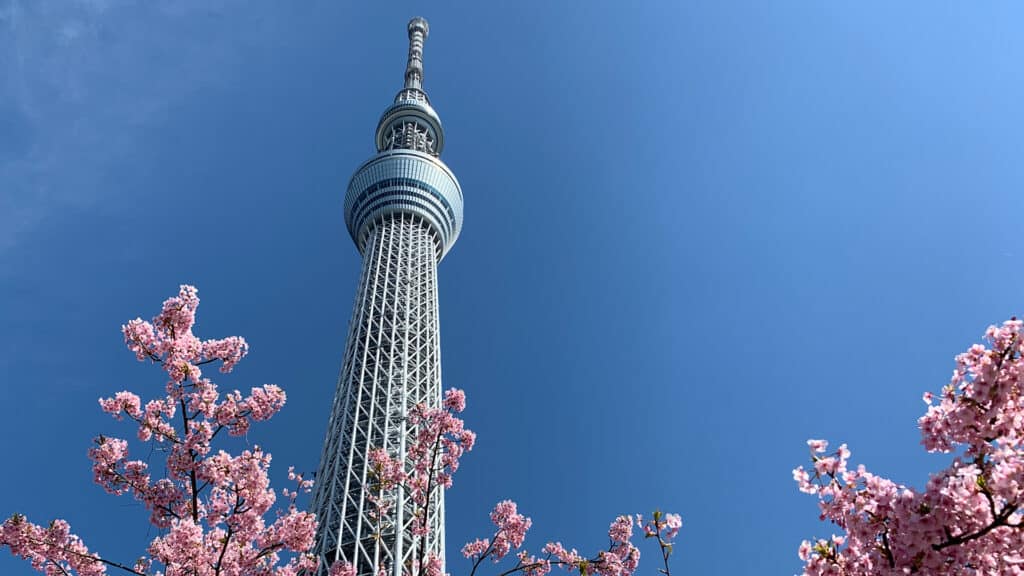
{"x": 664, "y": 526}
{"x": 968, "y": 518}
{"x": 620, "y": 559}
{"x": 50, "y": 549}
{"x": 512, "y": 527}
{"x": 211, "y": 506}
{"x": 440, "y": 439}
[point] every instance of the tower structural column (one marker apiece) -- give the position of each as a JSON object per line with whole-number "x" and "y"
{"x": 403, "y": 209}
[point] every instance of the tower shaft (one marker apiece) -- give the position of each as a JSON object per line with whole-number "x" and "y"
{"x": 392, "y": 362}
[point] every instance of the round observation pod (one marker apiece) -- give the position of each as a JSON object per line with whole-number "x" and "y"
{"x": 410, "y": 123}
{"x": 405, "y": 181}
{"x": 407, "y": 176}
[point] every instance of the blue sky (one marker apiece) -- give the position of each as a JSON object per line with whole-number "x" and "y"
{"x": 696, "y": 234}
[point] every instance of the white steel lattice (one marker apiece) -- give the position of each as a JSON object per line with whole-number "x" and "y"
{"x": 392, "y": 362}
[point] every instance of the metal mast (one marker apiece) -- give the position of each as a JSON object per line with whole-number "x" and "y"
{"x": 403, "y": 209}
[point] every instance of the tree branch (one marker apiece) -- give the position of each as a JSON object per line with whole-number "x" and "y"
{"x": 487, "y": 552}
{"x": 192, "y": 468}
{"x": 426, "y": 505}
{"x": 90, "y": 557}
{"x": 997, "y": 522}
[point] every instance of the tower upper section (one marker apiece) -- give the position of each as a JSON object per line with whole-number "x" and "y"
{"x": 407, "y": 174}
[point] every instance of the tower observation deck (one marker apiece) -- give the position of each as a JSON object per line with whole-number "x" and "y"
{"x": 403, "y": 210}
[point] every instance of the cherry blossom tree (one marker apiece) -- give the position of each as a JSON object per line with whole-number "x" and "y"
{"x": 440, "y": 440}
{"x": 969, "y": 518}
{"x": 211, "y": 508}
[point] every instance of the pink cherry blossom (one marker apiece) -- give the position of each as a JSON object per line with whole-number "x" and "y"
{"x": 568, "y": 558}
{"x": 53, "y": 549}
{"x": 620, "y": 559}
{"x": 342, "y": 569}
{"x": 673, "y": 522}
{"x": 621, "y": 529}
{"x": 440, "y": 439}
{"x": 967, "y": 519}
{"x": 455, "y": 400}
{"x": 476, "y": 547}
{"x": 211, "y": 507}
{"x": 512, "y": 527}
{"x": 122, "y": 402}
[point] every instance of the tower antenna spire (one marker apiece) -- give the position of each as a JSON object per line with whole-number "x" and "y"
{"x": 418, "y": 31}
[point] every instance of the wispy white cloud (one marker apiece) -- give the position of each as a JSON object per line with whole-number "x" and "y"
{"x": 80, "y": 80}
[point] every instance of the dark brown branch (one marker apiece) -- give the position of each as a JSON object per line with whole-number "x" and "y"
{"x": 532, "y": 565}
{"x": 135, "y": 488}
{"x": 887, "y": 550}
{"x": 156, "y": 432}
{"x": 268, "y": 550}
{"x": 224, "y": 548}
{"x": 426, "y": 505}
{"x": 486, "y": 553}
{"x": 192, "y": 468}
{"x": 666, "y": 551}
{"x": 998, "y": 521}
{"x": 90, "y": 557}
{"x": 59, "y": 567}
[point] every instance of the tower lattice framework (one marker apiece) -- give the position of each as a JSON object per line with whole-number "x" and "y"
{"x": 403, "y": 209}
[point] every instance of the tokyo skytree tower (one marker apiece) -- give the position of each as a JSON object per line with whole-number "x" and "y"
{"x": 403, "y": 209}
